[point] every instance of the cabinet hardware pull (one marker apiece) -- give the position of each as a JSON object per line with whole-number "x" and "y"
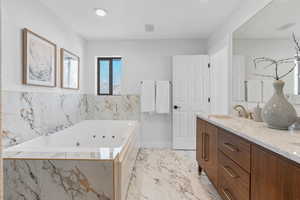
{"x": 230, "y": 171}
{"x": 203, "y": 147}
{"x": 231, "y": 147}
{"x": 206, "y": 141}
{"x": 227, "y": 194}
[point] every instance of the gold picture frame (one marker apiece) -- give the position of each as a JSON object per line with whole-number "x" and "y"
{"x": 39, "y": 60}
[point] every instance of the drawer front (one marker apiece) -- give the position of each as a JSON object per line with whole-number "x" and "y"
{"x": 228, "y": 192}
{"x": 235, "y": 148}
{"x": 234, "y": 181}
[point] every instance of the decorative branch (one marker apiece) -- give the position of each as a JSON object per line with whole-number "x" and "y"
{"x": 272, "y": 62}
{"x": 275, "y": 63}
{"x": 264, "y": 75}
{"x": 284, "y": 75}
{"x": 263, "y": 59}
{"x": 286, "y": 61}
{"x": 296, "y": 42}
{"x": 267, "y": 66}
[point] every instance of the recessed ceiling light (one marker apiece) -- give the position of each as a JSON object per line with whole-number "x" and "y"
{"x": 100, "y": 12}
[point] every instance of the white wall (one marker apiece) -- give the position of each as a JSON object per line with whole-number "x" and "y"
{"x": 219, "y": 82}
{"x": 142, "y": 60}
{"x": 35, "y": 16}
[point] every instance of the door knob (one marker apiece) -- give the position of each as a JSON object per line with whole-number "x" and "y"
{"x": 176, "y": 107}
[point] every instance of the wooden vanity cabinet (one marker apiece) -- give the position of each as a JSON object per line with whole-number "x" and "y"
{"x": 201, "y": 128}
{"x": 207, "y": 150}
{"x": 273, "y": 177}
{"x": 210, "y": 141}
{"x": 242, "y": 170}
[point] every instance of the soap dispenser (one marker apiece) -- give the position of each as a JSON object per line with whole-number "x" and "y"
{"x": 257, "y": 113}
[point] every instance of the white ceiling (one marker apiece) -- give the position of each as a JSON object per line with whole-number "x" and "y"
{"x": 266, "y": 23}
{"x": 126, "y": 19}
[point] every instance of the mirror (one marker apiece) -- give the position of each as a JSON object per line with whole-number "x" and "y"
{"x": 267, "y": 34}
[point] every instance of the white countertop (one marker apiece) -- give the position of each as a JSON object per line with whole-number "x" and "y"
{"x": 285, "y": 143}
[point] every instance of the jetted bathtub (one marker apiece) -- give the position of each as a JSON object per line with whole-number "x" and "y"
{"x": 92, "y": 160}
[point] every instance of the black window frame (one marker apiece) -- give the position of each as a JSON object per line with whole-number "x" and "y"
{"x": 110, "y": 59}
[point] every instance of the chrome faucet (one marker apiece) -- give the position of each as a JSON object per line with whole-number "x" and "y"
{"x": 243, "y": 112}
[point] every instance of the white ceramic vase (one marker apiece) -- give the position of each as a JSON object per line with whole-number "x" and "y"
{"x": 278, "y": 113}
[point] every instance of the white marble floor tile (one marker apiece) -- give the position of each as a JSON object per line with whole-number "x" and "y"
{"x": 162, "y": 174}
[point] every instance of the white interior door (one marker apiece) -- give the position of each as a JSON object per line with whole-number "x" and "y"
{"x": 190, "y": 96}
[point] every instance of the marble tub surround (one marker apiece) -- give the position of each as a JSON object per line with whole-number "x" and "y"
{"x": 283, "y": 142}
{"x": 27, "y": 115}
{"x": 125, "y": 107}
{"x": 101, "y": 140}
{"x": 96, "y": 154}
{"x": 54, "y": 179}
{"x": 55, "y": 167}
{"x": 163, "y": 174}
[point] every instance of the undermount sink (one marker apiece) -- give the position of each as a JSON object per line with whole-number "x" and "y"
{"x": 221, "y": 116}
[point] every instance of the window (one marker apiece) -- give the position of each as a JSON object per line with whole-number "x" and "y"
{"x": 109, "y": 76}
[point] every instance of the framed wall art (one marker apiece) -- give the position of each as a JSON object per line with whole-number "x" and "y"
{"x": 39, "y": 60}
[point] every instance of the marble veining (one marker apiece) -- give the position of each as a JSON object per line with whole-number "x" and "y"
{"x": 159, "y": 174}
{"x": 125, "y": 107}
{"x": 97, "y": 154}
{"x": 279, "y": 141}
{"x": 162, "y": 174}
{"x": 53, "y": 179}
{"x": 45, "y": 176}
{"x": 27, "y": 115}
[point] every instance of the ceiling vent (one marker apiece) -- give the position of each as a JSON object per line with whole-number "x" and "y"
{"x": 149, "y": 27}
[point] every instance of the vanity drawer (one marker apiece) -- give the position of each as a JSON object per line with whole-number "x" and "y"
{"x": 228, "y": 191}
{"x": 235, "y": 148}
{"x": 233, "y": 180}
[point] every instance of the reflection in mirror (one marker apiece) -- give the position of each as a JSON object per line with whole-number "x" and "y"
{"x": 268, "y": 34}
{"x": 69, "y": 70}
